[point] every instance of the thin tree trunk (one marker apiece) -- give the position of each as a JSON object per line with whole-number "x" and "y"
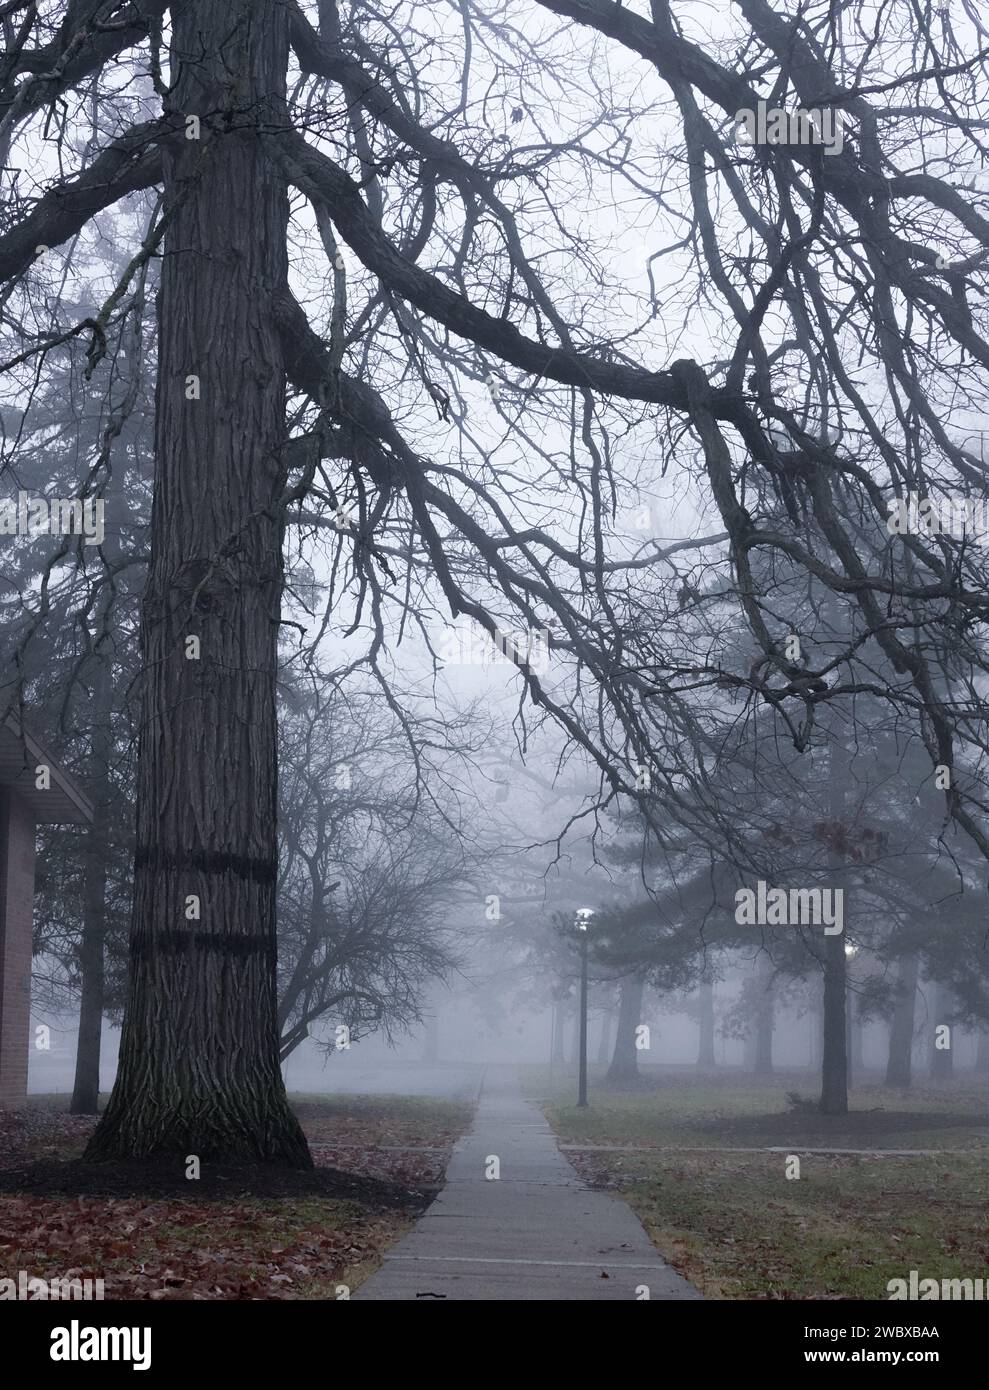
{"x": 982, "y": 1055}
{"x": 834, "y": 1053}
{"x": 625, "y": 1058}
{"x": 856, "y": 1054}
{"x": 764, "y": 1022}
{"x": 86, "y": 1088}
{"x": 199, "y": 1058}
{"x": 574, "y": 1033}
{"x": 558, "y": 1055}
{"x": 604, "y": 1038}
{"x": 942, "y": 1064}
{"x": 849, "y": 1028}
{"x": 705, "y": 1041}
{"x": 899, "y": 1062}
{"x": 816, "y": 1017}
{"x": 834, "y": 1062}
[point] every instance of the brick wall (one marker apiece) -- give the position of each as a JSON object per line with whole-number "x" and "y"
{"x": 17, "y": 838}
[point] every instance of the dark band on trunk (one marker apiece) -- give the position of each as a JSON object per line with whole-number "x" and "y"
{"x": 206, "y": 862}
{"x": 176, "y": 942}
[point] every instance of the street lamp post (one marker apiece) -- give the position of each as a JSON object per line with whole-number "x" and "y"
{"x": 584, "y": 915}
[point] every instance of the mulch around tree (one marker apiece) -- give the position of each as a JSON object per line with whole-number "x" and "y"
{"x": 217, "y": 1182}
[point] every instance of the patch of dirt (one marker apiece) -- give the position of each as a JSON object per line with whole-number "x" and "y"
{"x": 217, "y": 1182}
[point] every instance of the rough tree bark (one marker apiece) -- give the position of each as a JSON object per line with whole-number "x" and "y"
{"x": 625, "y": 1058}
{"x": 199, "y": 1059}
{"x": 899, "y": 1060}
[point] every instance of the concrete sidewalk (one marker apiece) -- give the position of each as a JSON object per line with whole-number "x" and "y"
{"x": 534, "y": 1233}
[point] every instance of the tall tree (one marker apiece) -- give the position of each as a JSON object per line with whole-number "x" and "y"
{"x": 92, "y": 945}
{"x": 624, "y": 1066}
{"x": 899, "y": 1063}
{"x": 199, "y": 1060}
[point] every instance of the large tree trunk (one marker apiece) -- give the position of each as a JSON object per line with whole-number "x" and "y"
{"x": 705, "y": 1042}
{"x": 86, "y": 1089}
{"x": 625, "y": 1058}
{"x": 899, "y": 1061}
{"x": 199, "y": 1070}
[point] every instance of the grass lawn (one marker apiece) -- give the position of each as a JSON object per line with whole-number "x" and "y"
{"x": 155, "y": 1246}
{"x": 737, "y": 1227}
{"x": 386, "y": 1120}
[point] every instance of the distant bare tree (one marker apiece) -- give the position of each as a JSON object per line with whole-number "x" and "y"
{"x": 370, "y": 876}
